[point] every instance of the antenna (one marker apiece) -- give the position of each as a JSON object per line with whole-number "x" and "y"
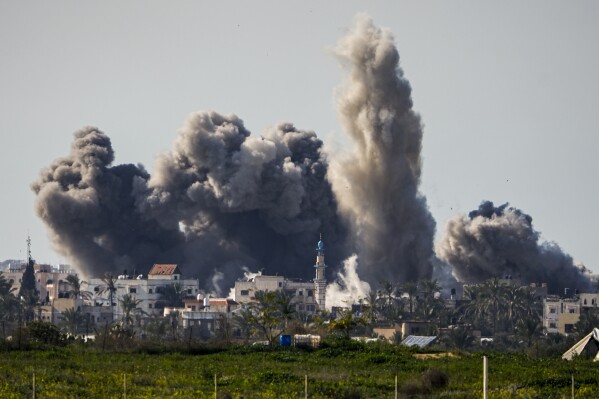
{"x": 28, "y": 249}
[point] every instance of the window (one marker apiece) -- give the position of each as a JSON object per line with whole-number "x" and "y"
{"x": 151, "y": 291}
{"x": 300, "y": 307}
{"x": 175, "y": 277}
{"x": 310, "y": 292}
{"x": 189, "y": 291}
{"x": 593, "y": 301}
{"x": 585, "y": 301}
{"x": 244, "y": 292}
{"x": 150, "y": 306}
{"x": 132, "y": 290}
{"x": 568, "y": 328}
{"x": 552, "y": 310}
{"x": 300, "y": 293}
{"x": 280, "y": 284}
{"x": 572, "y": 310}
{"x": 553, "y": 325}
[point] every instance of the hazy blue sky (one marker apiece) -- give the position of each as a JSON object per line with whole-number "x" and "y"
{"x": 508, "y": 92}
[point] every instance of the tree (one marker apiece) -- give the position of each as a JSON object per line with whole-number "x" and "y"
{"x": 389, "y": 309}
{"x": 129, "y": 305}
{"x": 172, "y": 295}
{"x": 109, "y": 286}
{"x": 372, "y": 302}
{"x": 410, "y": 289}
{"x": 243, "y": 320}
{"x": 286, "y": 307}
{"x": 429, "y": 303}
{"x": 528, "y": 329}
{"x": 72, "y": 320}
{"x": 8, "y": 302}
{"x": 459, "y": 338}
{"x": 28, "y": 293}
{"x": 346, "y": 323}
{"x": 492, "y": 301}
{"x": 75, "y": 283}
{"x": 588, "y": 320}
{"x": 519, "y": 304}
{"x": 267, "y": 314}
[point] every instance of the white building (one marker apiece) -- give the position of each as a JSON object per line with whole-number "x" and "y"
{"x": 148, "y": 290}
{"x": 307, "y": 296}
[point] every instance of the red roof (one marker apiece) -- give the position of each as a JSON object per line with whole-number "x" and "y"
{"x": 164, "y": 270}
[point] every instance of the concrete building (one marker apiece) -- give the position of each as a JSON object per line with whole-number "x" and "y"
{"x": 50, "y": 281}
{"x": 561, "y": 314}
{"x": 148, "y": 290}
{"x": 307, "y": 296}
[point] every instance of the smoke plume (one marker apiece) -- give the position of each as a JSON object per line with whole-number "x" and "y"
{"x": 377, "y": 184}
{"x": 218, "y": 201}
{"x": 501, "y": 241}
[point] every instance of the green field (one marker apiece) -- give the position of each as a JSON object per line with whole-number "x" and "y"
{"x": 337, "y": 370}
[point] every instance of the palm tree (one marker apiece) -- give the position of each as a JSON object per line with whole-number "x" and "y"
{"x": 410, "y": 289}
{"x": 519, "y": 304}
{"x": 129, "y": 306}
{"x": 389, "y": 309}
{"x": 528, "y": 329}
{"x": 459, "y": 338}
{"x": 243, "y": 319}
{"x": 346, "y": 323}
{"x": 72, "y": 320}
{"x": 429, "y": 303}
{"x": 493, "y": 300}
{"x": 109, "y": 286}
{"x": 372, "y": 302}
{"x": 8, "y": 301}
{"x": 75, "y": 283}
{"x": 172, "y": 295}
{"x": 286, "y": 307}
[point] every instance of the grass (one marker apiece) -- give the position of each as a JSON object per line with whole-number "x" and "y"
{"x": 335, "y": 371}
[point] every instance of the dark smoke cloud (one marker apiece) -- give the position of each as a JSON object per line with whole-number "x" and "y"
{"x": 220, "y": 200}
{"x": 91, "y": 214}
{"x": 501, "y": 241}
{"x": 377, "y": 185}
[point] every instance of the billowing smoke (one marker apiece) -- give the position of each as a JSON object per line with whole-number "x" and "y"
{"x": 220, "y": 200}
{"x": 501, "y": 241}
{"x": 377, "y": 184}
{"x": 91, "y": 213}
{"x": 347, "y": 288}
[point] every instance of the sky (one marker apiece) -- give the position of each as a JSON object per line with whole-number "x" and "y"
{"x": 507, "y": 92}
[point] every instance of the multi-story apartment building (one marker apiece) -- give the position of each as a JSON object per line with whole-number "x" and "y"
{"x": 561, "y": 314}
{"x": 148, "y": 289}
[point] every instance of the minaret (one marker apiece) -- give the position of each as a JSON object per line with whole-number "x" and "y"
{"x": 320, "y": 282}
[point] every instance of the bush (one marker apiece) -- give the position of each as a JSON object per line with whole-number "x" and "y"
{"x": 224, "y": 395}
{"x": 45, "y": 333}
{"x": 413, "y": 389}
{"x": 435, "y": 379}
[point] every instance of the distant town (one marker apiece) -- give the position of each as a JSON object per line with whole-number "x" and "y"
{"x": 266, "y": 309}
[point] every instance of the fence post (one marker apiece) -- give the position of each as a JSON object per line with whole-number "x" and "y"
{"x": 485, "y": 377}
{"x": 306, "y": 386}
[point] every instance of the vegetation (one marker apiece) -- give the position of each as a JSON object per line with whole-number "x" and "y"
{"x": 340, "y": 368}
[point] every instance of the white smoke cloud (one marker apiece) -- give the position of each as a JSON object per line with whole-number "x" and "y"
{"x": 348, "y": 288}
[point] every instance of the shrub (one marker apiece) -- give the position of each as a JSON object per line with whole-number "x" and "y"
{"x": 413, "y": 389}
{"x": 435, "y": 378}
{"x": 224, "y": 395}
